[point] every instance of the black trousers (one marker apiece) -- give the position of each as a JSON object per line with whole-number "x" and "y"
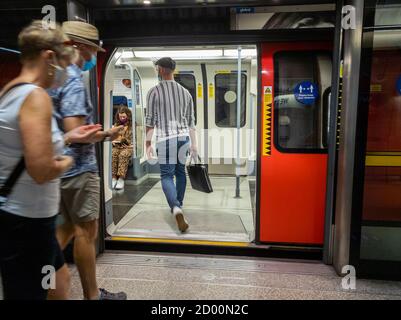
{"x": 29, "y": 253}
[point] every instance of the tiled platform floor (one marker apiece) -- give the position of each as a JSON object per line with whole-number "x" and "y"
{"x": 172, "y": 276}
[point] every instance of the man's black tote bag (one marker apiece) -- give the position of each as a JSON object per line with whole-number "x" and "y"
{"x": 199, "y": 177}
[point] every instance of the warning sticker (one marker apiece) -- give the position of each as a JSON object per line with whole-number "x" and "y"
{"x": 267, "y": 119}
{"x": 200, "y": 90}
{"x": 211, "y": 90}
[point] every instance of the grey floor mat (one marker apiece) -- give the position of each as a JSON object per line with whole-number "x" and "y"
{"x": 204, "y": 225}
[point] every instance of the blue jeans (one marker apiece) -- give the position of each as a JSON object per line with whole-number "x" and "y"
{"x": 172, "y": 156}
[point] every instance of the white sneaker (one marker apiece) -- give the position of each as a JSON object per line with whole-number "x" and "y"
{"x": 179, "y": 217}
{"x": 120, "y": 184}
{"x": 113, "y": 183}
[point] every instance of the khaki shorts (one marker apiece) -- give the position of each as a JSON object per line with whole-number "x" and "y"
{"x": 80, "y": 198}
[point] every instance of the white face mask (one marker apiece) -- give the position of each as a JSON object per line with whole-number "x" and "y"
{"x": 60, "y": 76}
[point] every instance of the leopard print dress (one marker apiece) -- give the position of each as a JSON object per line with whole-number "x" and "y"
{"x": 122, "y": 153}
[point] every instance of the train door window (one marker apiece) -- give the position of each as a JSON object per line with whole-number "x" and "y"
{"x": 187, "y": 80}
{"x": 301, "y": 108}
{"x": 226, "y": 99}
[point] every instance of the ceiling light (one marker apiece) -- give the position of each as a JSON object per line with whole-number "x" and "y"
{"x": 244, "y": 53}
{"x": 127, "y": 54}
{"x": 183, "y": 54}
{"x": 147, "y": 2}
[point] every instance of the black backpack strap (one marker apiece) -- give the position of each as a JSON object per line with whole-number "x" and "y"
{"x": 6, "y": 189}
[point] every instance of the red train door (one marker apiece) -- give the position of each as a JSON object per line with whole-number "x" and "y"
{"x": 296, "y": 80}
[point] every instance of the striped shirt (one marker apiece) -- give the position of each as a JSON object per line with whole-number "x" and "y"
{"x": 170, "y": 109}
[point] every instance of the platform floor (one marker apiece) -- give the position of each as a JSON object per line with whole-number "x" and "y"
{"x": 155, "y": 276}
{"x": 217, "y": 216}
{"x": 172, "y": 276}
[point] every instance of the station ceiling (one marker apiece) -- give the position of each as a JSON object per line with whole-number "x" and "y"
{"x": 176, "y": 3}
{"x": 135, "y": 4}
{"x": 122, "y": 19}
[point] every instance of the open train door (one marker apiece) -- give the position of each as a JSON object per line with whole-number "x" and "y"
{"x": 296, "y": 80}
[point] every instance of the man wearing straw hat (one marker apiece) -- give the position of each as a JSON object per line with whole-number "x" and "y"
{"x": 80, "y": 186}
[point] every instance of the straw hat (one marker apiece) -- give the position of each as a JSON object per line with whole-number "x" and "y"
{"x": 83, "y": 32}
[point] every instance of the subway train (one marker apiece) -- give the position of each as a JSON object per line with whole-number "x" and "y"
{"x": 292, "y": 136}
{"x": 266, "y": 83}
{"x": 281, "y": 143}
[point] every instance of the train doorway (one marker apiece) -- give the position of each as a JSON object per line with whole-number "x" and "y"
{"x": 282, "y": 141}
{"x": 227, "y": 143}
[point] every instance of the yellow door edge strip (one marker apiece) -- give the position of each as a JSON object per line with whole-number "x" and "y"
{"x": 383, "y": 161}
{"x": 178, "y": 241}
{"x": 267, "y": 120}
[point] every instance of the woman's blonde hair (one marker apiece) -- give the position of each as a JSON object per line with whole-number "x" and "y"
{"x": 35, "y": 37}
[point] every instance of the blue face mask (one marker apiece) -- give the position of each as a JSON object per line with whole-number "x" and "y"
{"x": 89, "y": 64}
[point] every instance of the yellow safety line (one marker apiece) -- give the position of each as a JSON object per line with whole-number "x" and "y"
{"x": 383, "y": 161}
{"x": 383, "y": 153}
{"x": 176, "y": 241}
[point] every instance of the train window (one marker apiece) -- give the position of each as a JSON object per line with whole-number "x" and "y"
{"x": 137, "y": 81}
{"x": 301, "y": 108}
{"x": 187, "y": 80}
{"x": 226, "y": 99}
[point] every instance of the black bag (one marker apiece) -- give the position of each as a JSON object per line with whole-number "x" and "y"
{"x": 6, "y": 189}
{"x": 199, "y": 177}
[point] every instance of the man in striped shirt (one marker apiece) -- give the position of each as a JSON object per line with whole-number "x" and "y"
{"x": 170, "y": 109}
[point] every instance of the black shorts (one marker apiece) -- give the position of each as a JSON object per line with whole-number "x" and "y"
{"x": 29, "y": 253}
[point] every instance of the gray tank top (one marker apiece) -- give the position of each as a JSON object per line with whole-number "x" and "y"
{"x": 27, "y": 199}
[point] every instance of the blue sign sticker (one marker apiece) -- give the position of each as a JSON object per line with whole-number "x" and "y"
{"x": 129, "y": 103}
{"x": 399, "y": 85}
{"x": 306, "y": 92}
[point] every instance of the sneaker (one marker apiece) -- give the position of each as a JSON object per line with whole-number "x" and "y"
{"x": 119, "y": 184}
{"x": 113, "y": 183}
{"x": 179, "y": 217}
{"x": 172, "y": 209}
{"x": 106, "y": 295}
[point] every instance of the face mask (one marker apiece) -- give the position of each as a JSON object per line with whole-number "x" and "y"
{"x": 158, "y": 73}
{"x": 60, "y": 76}
{"x": 124, "y": 121}
{"x": 89, "y": 64}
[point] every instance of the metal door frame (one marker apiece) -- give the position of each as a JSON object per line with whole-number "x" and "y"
{"x": 238, "y": 38}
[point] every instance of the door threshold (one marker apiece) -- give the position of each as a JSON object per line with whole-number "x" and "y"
{"x": 182, "y": 241}
{"x": 249, "y": 249}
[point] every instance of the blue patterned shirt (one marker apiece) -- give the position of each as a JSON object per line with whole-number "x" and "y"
{"x": 72, "y": 100}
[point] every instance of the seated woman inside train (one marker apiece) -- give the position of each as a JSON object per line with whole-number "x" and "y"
{"x": 122, "y": 147}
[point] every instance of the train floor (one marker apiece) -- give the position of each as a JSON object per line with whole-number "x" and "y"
{"x": 179, "y": 277}
{"x": 217, "y": 216}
